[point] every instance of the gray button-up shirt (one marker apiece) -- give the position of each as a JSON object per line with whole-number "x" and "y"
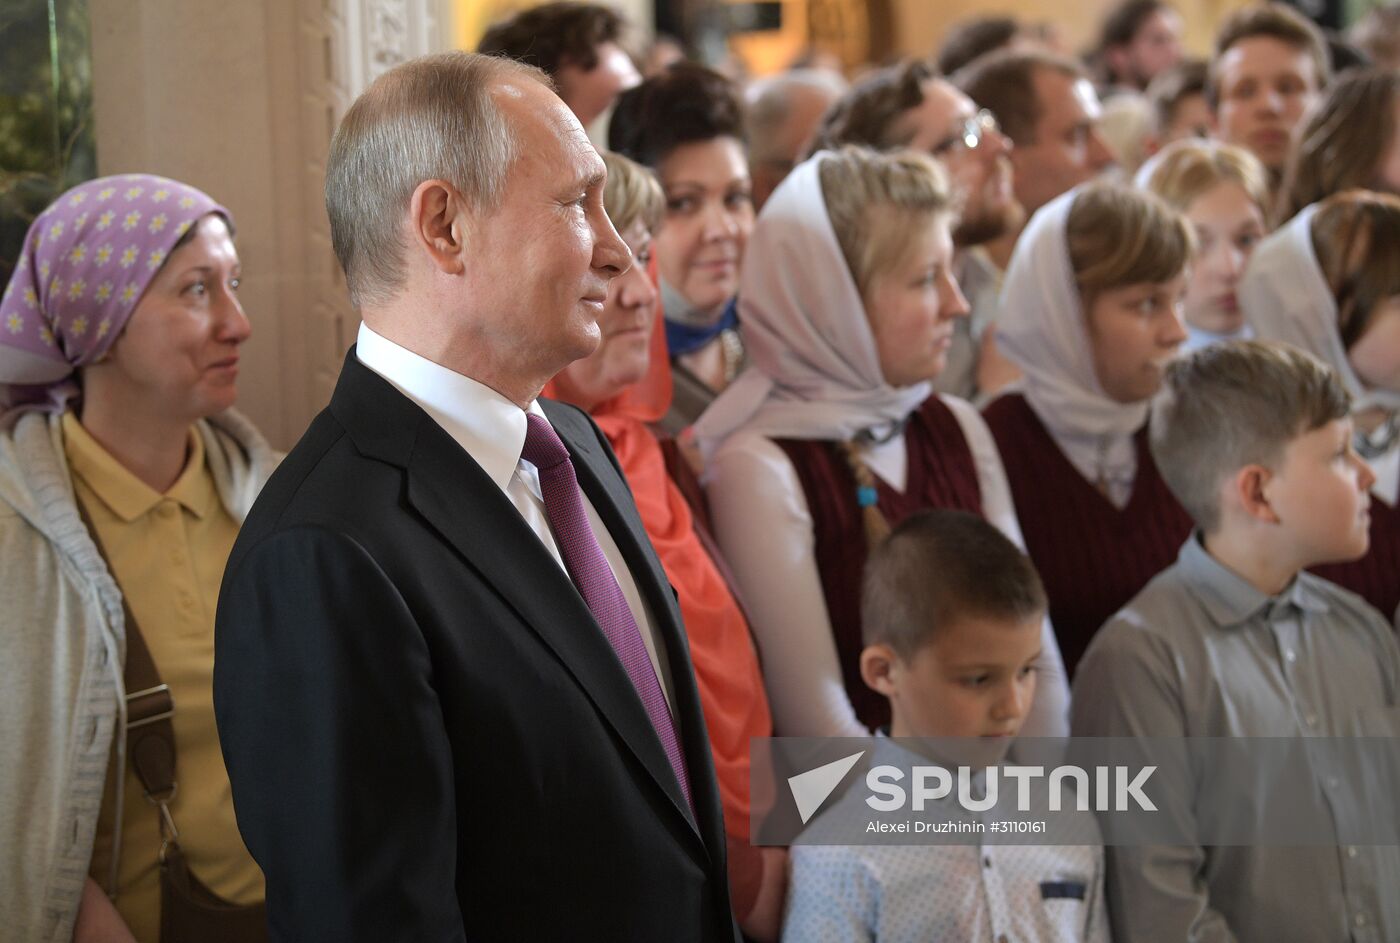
{"x": 1201, "y": 653}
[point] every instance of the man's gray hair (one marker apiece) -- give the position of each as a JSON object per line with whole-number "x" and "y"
{"x": 768, "y": 103}
{"x": 430, "y": 118}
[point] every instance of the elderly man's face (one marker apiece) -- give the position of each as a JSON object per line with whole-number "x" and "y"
{"x": 545, "y": 256}
{"x": 590, "y": 92}
{"x": 1066, "y": 148}
{"x": 980, "y": 174}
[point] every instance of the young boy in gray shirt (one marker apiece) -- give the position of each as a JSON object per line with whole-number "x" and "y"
{"x": 1236, "y": 640}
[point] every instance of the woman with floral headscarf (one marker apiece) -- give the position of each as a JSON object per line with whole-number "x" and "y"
{"x": 1329, "y": 282}
{"x": 124, "y": 476}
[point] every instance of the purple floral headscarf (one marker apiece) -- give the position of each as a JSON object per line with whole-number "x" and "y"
{"x": 86, "y": 262}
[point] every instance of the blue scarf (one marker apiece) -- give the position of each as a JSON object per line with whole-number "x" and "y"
{"x": 686, "y": 338}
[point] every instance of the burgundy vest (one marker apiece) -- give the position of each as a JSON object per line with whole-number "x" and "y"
{"x": 1376, "y": 576}
{"x": 941, "y": 474}
{"x": 1092, "y": 557}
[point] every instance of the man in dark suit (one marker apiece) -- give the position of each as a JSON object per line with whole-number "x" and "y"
{"x": 451, "y": 681}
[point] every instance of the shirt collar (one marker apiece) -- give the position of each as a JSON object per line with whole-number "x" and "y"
{"x": 489, "y": 427}
{"x": 127, "y": 496}
{"x": 1230, "y": 599}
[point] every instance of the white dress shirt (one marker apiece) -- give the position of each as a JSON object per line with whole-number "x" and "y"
{"x": 764, "y": 527}
{"x": 491, "y": 429}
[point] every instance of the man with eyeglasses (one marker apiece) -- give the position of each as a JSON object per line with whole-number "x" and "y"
{"x": 911, "y": 106}
{"x": 1047, "y": 106}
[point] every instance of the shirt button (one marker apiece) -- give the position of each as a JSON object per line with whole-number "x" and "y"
{"x": 987, "y": 862}
{"x": 1331, "y": 782}
{"x": 1310, "y": 720}
{"x": 1290, "y": 656}
{"x": 1359, "y": 920}
{"x": 167, "y": 510}
{"x": 1351, "y": 851}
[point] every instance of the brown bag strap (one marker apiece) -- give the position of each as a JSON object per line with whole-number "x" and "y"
{"x": 150, "y": 736}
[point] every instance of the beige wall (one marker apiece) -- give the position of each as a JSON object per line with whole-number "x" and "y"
{"x": 240, "y": 99}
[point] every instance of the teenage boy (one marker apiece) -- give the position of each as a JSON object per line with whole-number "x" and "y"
{"x": 952, "y": 612}
{"x": 1234, "y": 640}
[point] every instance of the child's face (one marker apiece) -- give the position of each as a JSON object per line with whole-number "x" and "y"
{"x": 1134, "y": 332}
{"x": 975, "y": 678}
{"x": 1319, "y": 493}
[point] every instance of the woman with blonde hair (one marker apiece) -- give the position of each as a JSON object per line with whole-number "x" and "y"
{"x": 1350, "y": 140}
{"x": 1092, "y": 315}
{"x": 1222, "y": 191}
{"x": 625, "y": 385}
{"x": 124, "y": 478}
{"x": 833, "y": 434}
{"x": 1329, "y": 282}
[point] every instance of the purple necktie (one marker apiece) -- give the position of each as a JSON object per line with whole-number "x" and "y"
{"x": 563, "y": 505}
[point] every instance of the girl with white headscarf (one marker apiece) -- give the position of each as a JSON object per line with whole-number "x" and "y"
{"x": 1329, "y": 282}
{"x": 1091, "y": 314}
{"x": 833, "y": 434}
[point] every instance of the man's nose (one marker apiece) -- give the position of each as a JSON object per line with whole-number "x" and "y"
{"x": 610, "y": 253}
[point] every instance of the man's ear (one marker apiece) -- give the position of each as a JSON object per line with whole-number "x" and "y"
{"x": 879, "y": 668}
{"x": 1249, "y": 487}
{"x": 438, "y": 225}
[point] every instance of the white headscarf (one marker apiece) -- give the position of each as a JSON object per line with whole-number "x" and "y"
{"x": 1043, "y": 329}
{"x": 1285, "y": 298}
{"x": 814, "y": 371}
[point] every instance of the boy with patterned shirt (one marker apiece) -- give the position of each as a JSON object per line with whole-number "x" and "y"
{"x": 951, "y": 614}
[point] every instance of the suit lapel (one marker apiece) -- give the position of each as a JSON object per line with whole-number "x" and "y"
{"x": 460, "y": 502}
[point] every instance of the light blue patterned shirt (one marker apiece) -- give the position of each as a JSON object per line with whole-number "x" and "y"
{"x": 975, "y": 893}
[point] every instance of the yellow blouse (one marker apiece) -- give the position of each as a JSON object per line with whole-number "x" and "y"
{"x": 167, "y": 553}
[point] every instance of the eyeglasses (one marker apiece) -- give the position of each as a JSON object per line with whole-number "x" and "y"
{"x": 970, "y": 135}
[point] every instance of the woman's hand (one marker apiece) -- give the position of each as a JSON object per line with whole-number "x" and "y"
{"x": 98, "y": 920}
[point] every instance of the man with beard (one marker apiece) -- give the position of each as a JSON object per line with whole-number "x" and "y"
{"x": 910, "y": 106}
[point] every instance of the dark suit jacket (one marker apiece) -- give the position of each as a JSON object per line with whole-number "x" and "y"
{"x": 428, "y": 736}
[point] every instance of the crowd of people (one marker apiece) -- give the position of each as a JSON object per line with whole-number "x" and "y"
{"x": 992, "y": 394}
